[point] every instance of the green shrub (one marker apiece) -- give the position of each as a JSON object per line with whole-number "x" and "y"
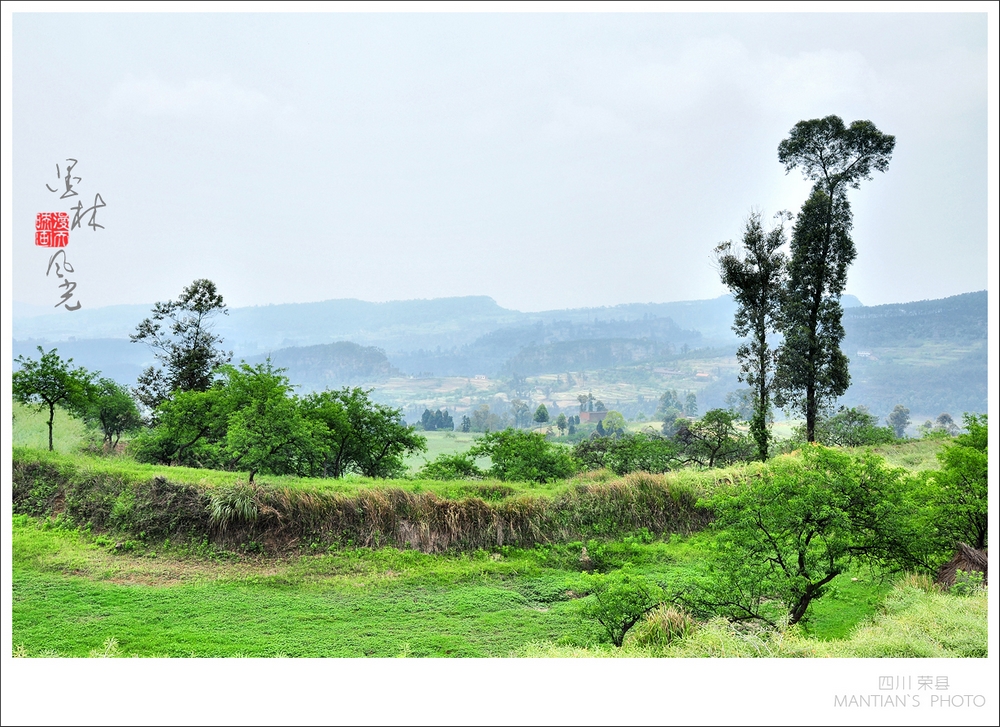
{"x": 967, "y": 583}
{"x": 458, "y": 466}
{"x": 619, "y": 600}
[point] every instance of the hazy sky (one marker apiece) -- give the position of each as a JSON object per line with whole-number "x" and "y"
{"x": 546, "y": 160}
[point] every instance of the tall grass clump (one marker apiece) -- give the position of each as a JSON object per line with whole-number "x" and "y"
{"x": 663, "y": 626}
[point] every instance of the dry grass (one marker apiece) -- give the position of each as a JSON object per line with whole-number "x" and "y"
{"x": 279, "y": 518}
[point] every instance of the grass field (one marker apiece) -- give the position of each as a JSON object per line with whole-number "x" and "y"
{"x": 31, "y": 429}
{"x": 74, "y": 592}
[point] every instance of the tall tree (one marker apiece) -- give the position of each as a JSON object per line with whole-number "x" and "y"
{"x": 811, "y": 368}
{"x": 51, "y": 382}
{"x": 180, "y": 334}
{"x": 899, "y": 419}
{"x": 755, "y": 273}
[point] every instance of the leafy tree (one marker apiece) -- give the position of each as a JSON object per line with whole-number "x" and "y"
{"x": 466, "y": 425}
{"x": 899, "y": 420}
{"x": 962, "y": 495}
{"x": 112, "y": 408}
{"x": 189, "y": 430}
{"x": 600, "y": 429}
{"x": 811, "y": 369}
{"x": 755, "y": 273}
{"x": 541, "y": 414}
{"x": 481, "y": 418}
{"x": 266, "y": 429}
{"x": 854, "y": 427}
{"x": 180, "y": 334}
{"x": 523, "y": 456}
{"x": 432, "y": 421}
{"x": 669, "y": 406}
{"x": 691, "y": 404}
{"x": 672, "y": 424}
{"x": 51, "y": 382}
{"x": 640, "y": 452}
{"x": 786, "y": 532}
{"x": 561, "y": 423}
{"x": 331, "y": 451}
{"x": 352, "y": 433}
{"x": 521, "y": 411}
{"x": 614, "y": 423}
{"x": 713, "y": 441}
{"x": 945, "y": 423}
{"x": 590, "y": 453}
{"x": 619, "y": 600}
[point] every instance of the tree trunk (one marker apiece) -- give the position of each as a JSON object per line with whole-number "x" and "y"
{"x": 52, "y": 415}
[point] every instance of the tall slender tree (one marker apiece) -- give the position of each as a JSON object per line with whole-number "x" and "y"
{"x": 755, "y": 273}
{"x": 811, "y": 369}
{"x": 188, "y": 349}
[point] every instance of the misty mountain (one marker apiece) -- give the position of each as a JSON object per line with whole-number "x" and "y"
{"x": 396, "y": 326}
{"x": 958, "y": 319}
{"x": 331, "y": 365}
{"x": 503, "y": 350}
{"x": 927, "y": 355}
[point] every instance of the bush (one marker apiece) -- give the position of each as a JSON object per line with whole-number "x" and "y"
{"x": 451, "y": 467}
{"x": 524, "y": 456}
{"x": 619, "y": 600}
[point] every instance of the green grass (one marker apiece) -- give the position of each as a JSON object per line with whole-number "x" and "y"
{"x": 850, "y": 599}
{"x": 31, "y": 429}
{"x": 913, "y": 454}
{"x": 73, "y": 593}
{"x": 438, "y": 443}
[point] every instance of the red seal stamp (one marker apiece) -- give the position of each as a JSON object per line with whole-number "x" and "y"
{"x": 52, "y": 229}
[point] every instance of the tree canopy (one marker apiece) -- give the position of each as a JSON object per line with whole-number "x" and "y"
{"x": 179, "y": 332}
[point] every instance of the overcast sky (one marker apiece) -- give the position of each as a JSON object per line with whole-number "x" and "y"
{"x": 546, "y": 160}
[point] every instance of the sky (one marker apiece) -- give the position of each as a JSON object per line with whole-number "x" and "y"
{"x": 548, "y": 160}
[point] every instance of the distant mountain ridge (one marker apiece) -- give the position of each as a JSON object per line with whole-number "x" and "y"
{"x": 395, "y": 326}
{"x": 929, "y": 355}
